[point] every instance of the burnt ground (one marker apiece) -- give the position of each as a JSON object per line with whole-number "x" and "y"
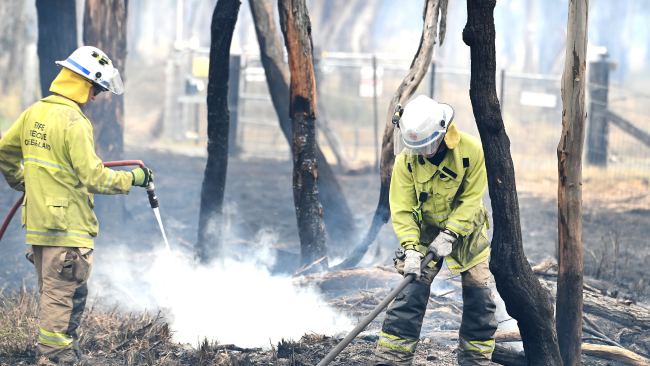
{"x": 259, "y": 196}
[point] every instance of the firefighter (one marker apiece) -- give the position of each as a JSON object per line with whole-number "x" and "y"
{"x": 436, "y": 203}
{"x": 49, "y": 154}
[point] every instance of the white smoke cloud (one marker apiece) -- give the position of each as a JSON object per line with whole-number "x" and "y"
{"x": 230, "y": 301}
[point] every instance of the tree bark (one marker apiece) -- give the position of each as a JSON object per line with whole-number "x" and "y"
{"x": 105, "y": 28}
{"x": 57, "y": 37}
{"x": 524, "y": 297}
{"x": 339, "y": 221}
{"x": 419, "y": 67}
{"x": 569, "y": 155}
{"x": 210, "y": 237}
{"x": 296, "y": 28}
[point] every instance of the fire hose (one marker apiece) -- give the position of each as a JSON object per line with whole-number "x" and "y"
{"x": 378, "y": 309}
{"x": 151, "y": 194}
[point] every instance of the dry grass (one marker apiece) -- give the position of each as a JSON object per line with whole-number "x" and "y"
{"x": 107, "y": 337}
{"x": 615, "y": 190}
{"x": 114, "y": 337}
{"x": 17, "y": 325}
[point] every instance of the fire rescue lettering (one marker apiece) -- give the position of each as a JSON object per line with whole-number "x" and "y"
{"x": 38, "y": 137}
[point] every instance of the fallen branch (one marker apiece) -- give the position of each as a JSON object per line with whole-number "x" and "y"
{"x": 506, "y": 356}
{"x": 232, "y": 347}
{"x": 313, "y": 265}
{"x": 590, "y": 327}
{"x": 597, "y": 303}
{"x": 614, "y": 353}
{"x": 544, "y": 266}
{"x": 352, "y": 279}
{"x": 629, "y": 315}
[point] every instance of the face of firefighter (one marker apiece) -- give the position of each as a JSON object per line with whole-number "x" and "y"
{"x": 93, "y": 93}
{"x": 91, "y": 96}
{"x": 434, "y": 152}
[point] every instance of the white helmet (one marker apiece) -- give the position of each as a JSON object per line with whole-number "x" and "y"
{"x": 93, "y": 64}
{"x": 422, "y": 126}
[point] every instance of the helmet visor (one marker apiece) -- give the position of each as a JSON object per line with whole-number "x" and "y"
{"x": 113, "y": 83}
{"x": 428, "y": 147}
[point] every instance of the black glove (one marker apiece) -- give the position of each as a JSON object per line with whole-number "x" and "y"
{"x": 142, "y": 177}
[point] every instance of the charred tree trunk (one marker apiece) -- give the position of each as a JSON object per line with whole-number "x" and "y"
{"x": 569, "y": 156}
{"x": 338, "y": 218}
{"x": 432, "y": 10}
{"x": 526, "y": 300}
{"x": 105, "y": 28}
{"x": 57, "y": 37}
{"x": 296, "y": 28}
{"x": 210, "y": 237}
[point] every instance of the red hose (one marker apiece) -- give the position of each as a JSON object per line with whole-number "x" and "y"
{"x": 10, "y": 215}
{"x": 14, "y": 208}
{"x": 111, "y": 164}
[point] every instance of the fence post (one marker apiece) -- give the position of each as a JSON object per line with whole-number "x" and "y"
{"x": 172, "y": 128}
{"x": 432, "y": 80}
{"x": 502, "y": 90}
{"x": 233, "y": 103}
{"x": 597, "y": 127}
{"x": 375, "y": 112}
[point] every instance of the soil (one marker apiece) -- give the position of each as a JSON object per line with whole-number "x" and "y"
{"x": 259, "y": 197}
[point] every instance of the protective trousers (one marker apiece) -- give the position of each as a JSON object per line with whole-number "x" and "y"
{"x": 401, "y": 329}
{"x": 62, "y": 281}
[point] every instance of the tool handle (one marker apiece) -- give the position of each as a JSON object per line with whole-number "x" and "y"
{"x": 378, "y": 309}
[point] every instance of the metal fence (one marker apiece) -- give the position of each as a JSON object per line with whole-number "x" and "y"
{"x": 355, "y": 90}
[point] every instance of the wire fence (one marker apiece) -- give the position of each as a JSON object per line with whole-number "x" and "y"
{"x": 354, "y": 93}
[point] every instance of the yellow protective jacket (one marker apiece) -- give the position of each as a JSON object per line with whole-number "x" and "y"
{"x": 53, "y": 140}
{"x": 454, "y": 201}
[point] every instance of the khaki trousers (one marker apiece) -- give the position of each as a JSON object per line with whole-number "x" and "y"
{"x": 62, "y": 281}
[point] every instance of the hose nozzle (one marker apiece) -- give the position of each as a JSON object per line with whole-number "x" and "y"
{"x": 151, "y": 194}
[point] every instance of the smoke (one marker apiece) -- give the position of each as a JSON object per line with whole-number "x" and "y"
{"x": 233, "y": 300}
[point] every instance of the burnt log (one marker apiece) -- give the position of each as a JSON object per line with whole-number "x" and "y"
{"x": 504, "y": 355}
{"x": 628, "y": 315}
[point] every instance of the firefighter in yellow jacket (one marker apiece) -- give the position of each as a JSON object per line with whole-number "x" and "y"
{"x": 436, "y": 202}
{"x": 49, "y": 154}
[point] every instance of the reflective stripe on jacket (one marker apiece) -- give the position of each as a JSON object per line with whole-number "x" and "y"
{"x": 54, "y": 140}
{"x": 455, "y": 191}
